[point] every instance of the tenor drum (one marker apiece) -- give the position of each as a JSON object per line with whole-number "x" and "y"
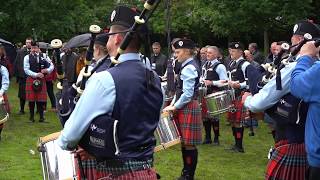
{"x": 57, "y": 164}
{"x": 166, "y": 133}
{"x": 219, "y": 102}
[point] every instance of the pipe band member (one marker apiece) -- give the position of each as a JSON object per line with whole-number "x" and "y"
{"x": 288, "y": 159}
{"x": 36, "y": 66}
{"x": 238, "y": 68}
{"x": 214, "y": 78}
{"x": 188, "y": 112}
{"x": 119, "y": 110}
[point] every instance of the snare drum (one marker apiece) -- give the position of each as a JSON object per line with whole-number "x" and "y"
{"x": 57, "y": 164}
{"x": 219, "y": 102}
{"x": 166, "y": 133}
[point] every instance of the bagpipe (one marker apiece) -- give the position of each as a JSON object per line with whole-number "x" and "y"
{"x": 285, "y": 56}
{"x": 68, "y": 96}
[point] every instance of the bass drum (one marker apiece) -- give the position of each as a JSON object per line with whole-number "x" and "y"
{"x": 57, "y": 164}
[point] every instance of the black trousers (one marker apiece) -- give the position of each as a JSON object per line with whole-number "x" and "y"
{"x": 51, "y": 94}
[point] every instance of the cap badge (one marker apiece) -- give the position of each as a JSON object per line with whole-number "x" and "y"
{"x": 113, "y": 14}
{"x": 180, "y": 43}
{"x": 295, "y": 28}
{"x": 236, "y": 45}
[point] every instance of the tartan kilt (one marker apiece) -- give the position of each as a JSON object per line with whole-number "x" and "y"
{"x": 93, "y": 171}
{"x": 31, "y": 95}
{"x": 6, "y": 103}
{"x": 204, "y": 108}
{"x": 189, "y": 123}
{"x": 240, "y": 112}
{"x": 288, "y": 162}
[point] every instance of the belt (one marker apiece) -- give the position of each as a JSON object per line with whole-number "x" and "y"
{"x": 117, "y": 167}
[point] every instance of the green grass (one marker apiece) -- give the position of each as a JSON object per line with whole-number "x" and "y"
{"x": 19, "y": 137}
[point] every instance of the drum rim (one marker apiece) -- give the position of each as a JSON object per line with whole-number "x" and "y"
{"x": 217, "y": 94}
{"x": 5, "y": 119}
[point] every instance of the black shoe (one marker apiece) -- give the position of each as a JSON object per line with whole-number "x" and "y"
{"x": 41, "y": 120}
{"x": 21, "y": 113}
{"x": 185, "y": 176}
{"x": 31, "y": 119}
{"x": 235, "y": 149}
{"x": 216, "y": 142}
{"x": 207, "y": 141}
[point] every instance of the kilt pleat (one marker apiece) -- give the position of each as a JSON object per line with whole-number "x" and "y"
{"x": 239, "y": 113}
{"x": 6, "y": 103}
{"x": 189, "y": 123}
{"x": 33, "y": 96}
{"x": 288, "y": 162}
{"x": 93, "y": 171}
{"x": 204, "y": 108}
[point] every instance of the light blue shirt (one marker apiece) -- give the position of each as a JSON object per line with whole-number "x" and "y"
{"x": 188, "y": 76}
{"x": 269, "y": 95}
{"x": 26, "y": 65}
{"x": 97, "y": 99}
{"x": 5, "y": 80}
{"x": 305, "y": 85}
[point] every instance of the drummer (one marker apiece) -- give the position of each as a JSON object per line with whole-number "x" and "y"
{"x": 214, "y": 77}
{"x": 4, "y": 85}
{"x": 185, "y": 103}
{"x": 238, "y": 68}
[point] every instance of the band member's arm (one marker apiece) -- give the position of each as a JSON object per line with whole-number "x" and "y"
{"x": 5, "y": 80}
{"x": 26, "y": 67}
{"x": 188, "y": 76}
{"x": 304, "y": 79}
{"x": 269, "y": 95}
{"x": 222, "y": 72}
{"x": 99, "y": 89}
{"x": 244, "y": 66}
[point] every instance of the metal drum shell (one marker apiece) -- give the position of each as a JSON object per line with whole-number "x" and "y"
{"x": 219, "y": 102}
{"x": 56, "y": 163}
{"x": 167, "y": 133}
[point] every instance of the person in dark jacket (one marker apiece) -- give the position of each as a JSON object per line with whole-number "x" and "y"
{"x": 158, "y": 60}
{"x": 20, "y": 74}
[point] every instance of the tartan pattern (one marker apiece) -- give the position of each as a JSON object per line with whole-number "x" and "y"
{"x": 204, "y": 108}
{"x": 240, "y": 113}
{"x": 114, "y": 170}
{"x": 36, "y": 96}
{"x": 6, "y": 103}
{"x": 189, "y": 123}
{"x": 288, "y": 162}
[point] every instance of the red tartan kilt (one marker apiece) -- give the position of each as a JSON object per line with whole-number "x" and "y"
{"x": 31, "y": 95}
{"x": 239, "y": 114}
{"x": 204, "y": 108}
{"x": 189, "y": 123}
{"x": 93, "y": 172}
{"x": 288, "y": 161}
{"x": 6, "y": 103}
